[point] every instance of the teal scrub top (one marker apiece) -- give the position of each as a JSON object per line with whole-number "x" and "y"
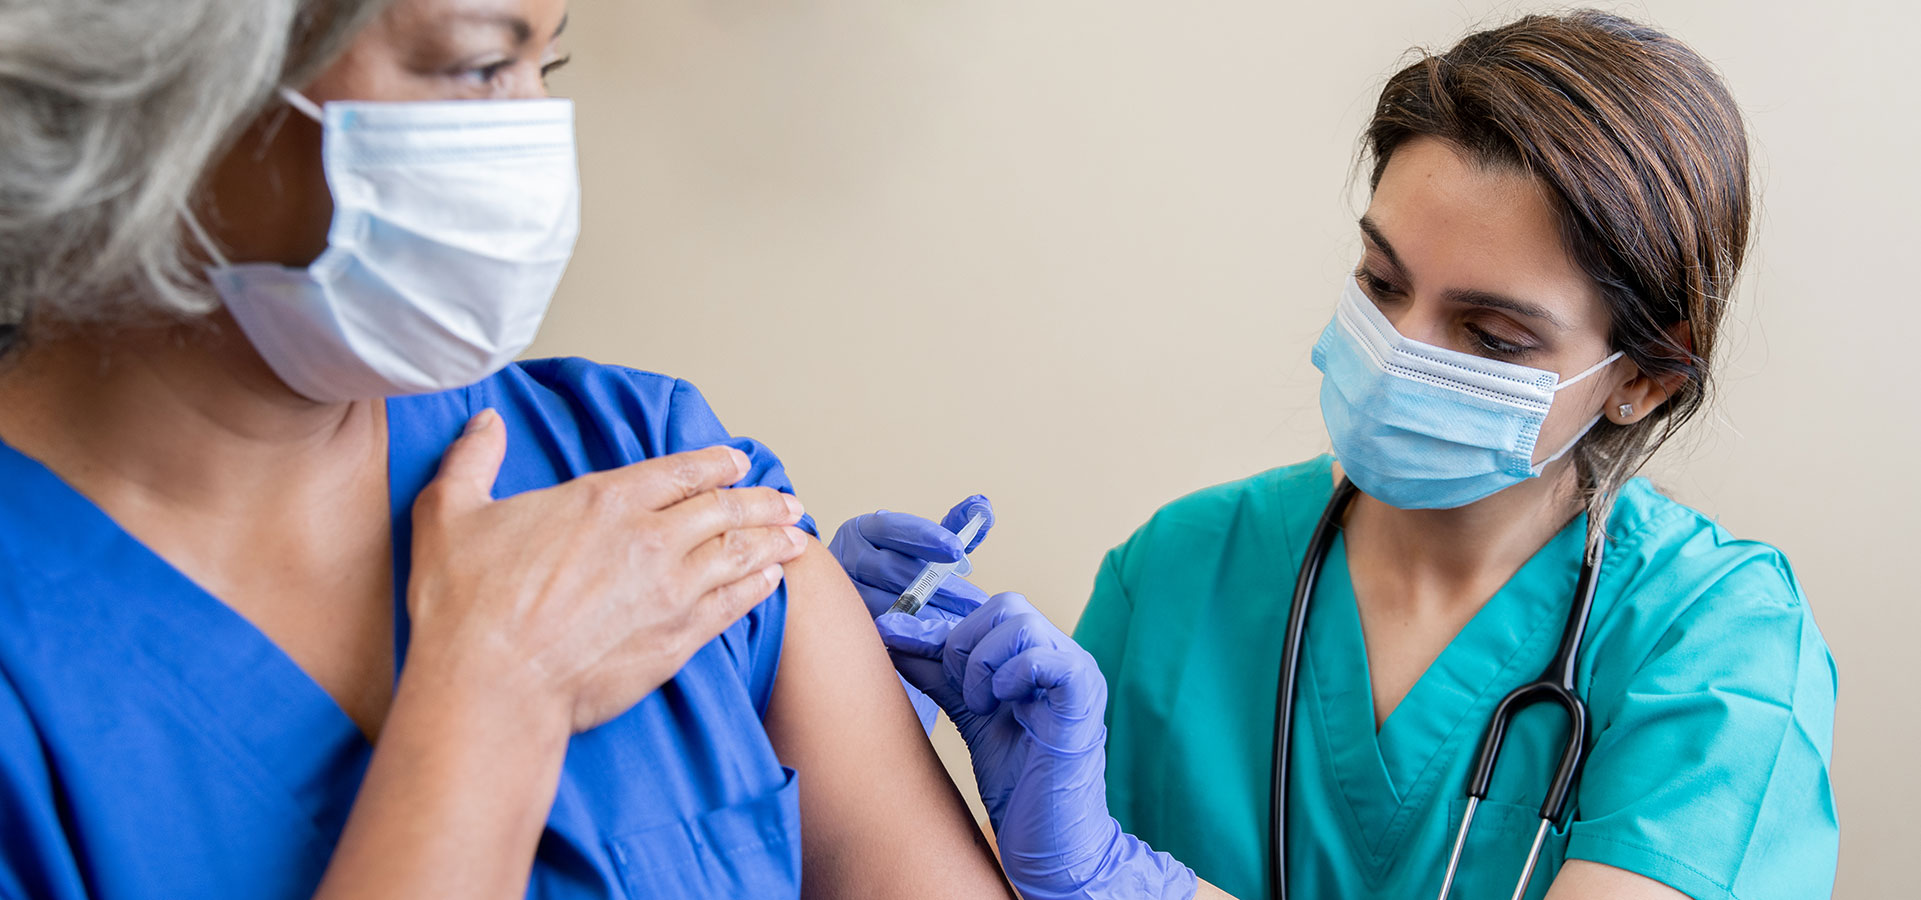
{"x": 1711, "y": 692}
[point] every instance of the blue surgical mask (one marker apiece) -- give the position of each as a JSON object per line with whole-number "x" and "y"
{"x": 1417, "y": 426}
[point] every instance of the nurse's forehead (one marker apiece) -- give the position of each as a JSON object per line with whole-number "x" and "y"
{"x": 1456, "y": 224}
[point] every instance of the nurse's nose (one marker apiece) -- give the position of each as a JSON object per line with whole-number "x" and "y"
{"x": 1418, "y": 319}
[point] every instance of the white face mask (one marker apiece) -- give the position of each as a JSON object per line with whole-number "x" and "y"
{"x": 452, "y": 224}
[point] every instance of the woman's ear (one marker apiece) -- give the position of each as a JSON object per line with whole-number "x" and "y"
{"x": 1642, "y": 394}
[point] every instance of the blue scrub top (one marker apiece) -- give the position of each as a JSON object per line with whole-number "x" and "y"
{"x": 1710, "y": 689}
{"x": 153, "y": 743}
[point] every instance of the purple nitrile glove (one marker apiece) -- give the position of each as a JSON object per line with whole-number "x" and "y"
{"x": 884, "y": 551}
{"x": 1029, "y": 702}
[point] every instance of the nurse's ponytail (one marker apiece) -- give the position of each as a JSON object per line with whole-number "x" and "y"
{"x": 1641, "y": 145}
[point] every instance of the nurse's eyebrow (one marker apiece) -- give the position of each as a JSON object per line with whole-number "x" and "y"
{"x": 1492, "y": 300}
{"x": 1374, "y": 234}
{"x": 1468, "y": 296}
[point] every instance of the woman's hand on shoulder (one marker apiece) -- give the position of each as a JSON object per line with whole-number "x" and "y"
{"x": 580, "y": 599}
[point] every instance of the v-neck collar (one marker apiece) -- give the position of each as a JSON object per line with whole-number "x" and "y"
{"x": 240, "y": 687}
{"x": 1387, "y": 777}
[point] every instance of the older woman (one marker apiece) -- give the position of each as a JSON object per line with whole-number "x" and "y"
{"x": 260, "y": 287}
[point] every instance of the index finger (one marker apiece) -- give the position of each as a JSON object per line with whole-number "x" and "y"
{"x": 666, "y": 480}
{"x": 978, "y": 624}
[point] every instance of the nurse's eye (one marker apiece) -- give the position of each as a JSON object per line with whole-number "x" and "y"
{"x": 1490, "y": 344}
{"x": 1376, "y": 286}
{"x": 550, "y": 68}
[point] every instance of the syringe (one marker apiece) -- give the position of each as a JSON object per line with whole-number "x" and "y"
{"x": 929, "y": 580}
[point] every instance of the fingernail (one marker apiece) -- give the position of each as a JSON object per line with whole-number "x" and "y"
{"x": 771, "y": 573}
{"x": 797, "y": 538}
{"x": 794, "y": 507}
{"x": 741, "y": 463}
{"x": 480, "y": 420}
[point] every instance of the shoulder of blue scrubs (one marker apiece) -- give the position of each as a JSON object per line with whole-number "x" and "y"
{"x": 621, "y": 415}
{"x": 596, "y": 417}
{"x": 1713, "y": 697}
{"x": 682, "y": 796}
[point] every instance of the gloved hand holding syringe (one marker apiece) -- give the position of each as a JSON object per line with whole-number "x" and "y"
{"x": 888, "y": 557}
{"x": 930, "y": 577}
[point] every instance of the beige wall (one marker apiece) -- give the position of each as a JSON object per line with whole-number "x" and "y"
{"x": 1110, "y": 230}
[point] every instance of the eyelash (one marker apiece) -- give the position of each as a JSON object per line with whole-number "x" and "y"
{"x": 1496, "y": 346}
{"x": 1493, "y": 346}
{"x": 488, "y": 73}
{"x": 1376, "y": 283}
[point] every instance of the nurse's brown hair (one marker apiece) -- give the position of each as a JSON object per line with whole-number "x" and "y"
{"x": 1642, "y": 149}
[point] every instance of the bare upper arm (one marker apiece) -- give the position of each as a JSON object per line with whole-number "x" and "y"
{"x": 1582, "y": 879}
{"x": 879, "y": 817}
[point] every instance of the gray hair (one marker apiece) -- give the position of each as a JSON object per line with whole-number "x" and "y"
{"x": 111, "y": 113}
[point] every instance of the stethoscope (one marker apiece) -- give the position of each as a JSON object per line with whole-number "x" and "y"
{"x": 1555, "y": 685}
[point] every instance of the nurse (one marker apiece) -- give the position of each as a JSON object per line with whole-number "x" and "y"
{"x": 305, "y": 591}
{"x": 1559, "y": 210}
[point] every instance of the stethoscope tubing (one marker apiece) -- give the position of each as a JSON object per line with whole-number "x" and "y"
{"x": 1556, "y": 685}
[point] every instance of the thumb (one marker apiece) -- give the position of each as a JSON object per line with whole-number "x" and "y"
{"x": 957, "y": 517}
{"x": 472, "y": 462}
{"x": 915, "y": 646}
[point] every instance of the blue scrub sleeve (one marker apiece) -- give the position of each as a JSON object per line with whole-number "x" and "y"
{"x": 1709, "y": 773}
{"x": 692, "y": 425}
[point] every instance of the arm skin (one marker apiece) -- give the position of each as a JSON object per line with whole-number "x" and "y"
{"x": 1582, "y": 879}
{"x": 449, "y": 732}
{"x": 879, "y": 816}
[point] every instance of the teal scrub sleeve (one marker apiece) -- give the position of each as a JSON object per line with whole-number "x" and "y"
{"x": 1709, "y": 771}
{"x": 1102, "y": 630}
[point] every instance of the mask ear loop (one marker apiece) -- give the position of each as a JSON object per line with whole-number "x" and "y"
{"x": 300, "y": 102}
{"x": 1590, "y": 370}
{"x": 201, "y": 237}
{"x": 1542, "y": 465}
{"x": 306, "y": 108}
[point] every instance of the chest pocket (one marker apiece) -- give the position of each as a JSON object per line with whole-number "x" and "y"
{"x": 749, "y": 849}
{"x": 1497, "y": 848}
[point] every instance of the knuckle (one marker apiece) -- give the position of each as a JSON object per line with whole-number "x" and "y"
{"x": 731, "y": 510}
{"x": 650, "y": 542}
{"x": 771, "y": 505}
{"x": 601, "y": 498}
{"x": 757, "y": 547}
{"x": 740, "y": 549}
{"x": 687, "y": 472}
